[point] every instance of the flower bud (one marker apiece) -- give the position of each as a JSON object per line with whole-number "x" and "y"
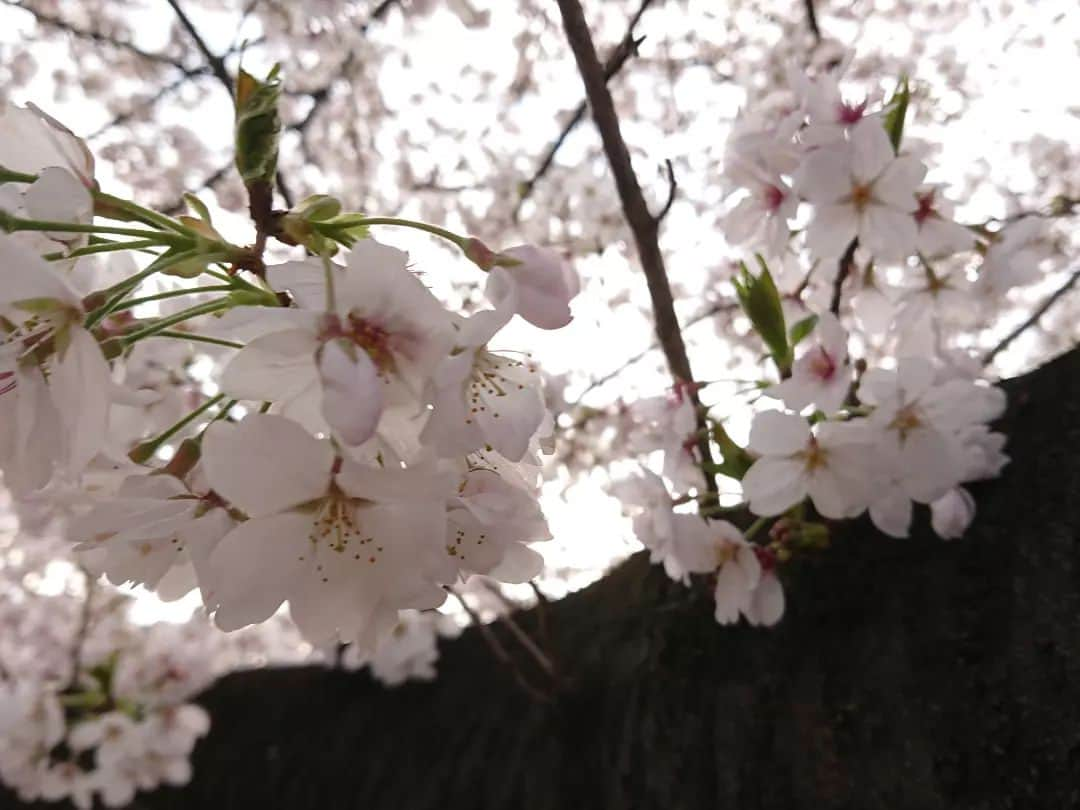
{"x": 542, "y": 282}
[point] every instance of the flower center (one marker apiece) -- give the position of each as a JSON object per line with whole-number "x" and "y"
{"x": 822, "y": 364}
{"x": 906, "y": 420}
{"x": 336, "y": 528}
{"x": 492, "y": 377}
{"x": 814, "y": 457}
{"x": 774, "y": 198}
{"x": 861, "y": 195}
{"x": 373, "y": 338}
{"x": 850, "y": 113}
{"x": 926, "y": 207}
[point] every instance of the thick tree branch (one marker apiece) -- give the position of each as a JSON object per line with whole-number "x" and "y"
{"x": 643, "y": 224}
{"x": 619, "y": 57}
{"x": 1036, "y": 316}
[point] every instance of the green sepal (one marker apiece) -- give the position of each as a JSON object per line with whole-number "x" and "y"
{"x": 897, "y": 112}
{"x": 258, "y": 126}
{"x": 801, "y": 329}
{"x": 760, "y": 301}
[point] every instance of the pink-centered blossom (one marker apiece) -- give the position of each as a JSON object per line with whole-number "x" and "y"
{"x": 860, "y": 188}
{"x": 821, "y": 376}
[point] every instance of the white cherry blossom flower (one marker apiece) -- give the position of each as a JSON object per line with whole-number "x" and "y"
{"x": 481, "y": 397}
{"x": 821, "y": 376}
{"x": 55, "y": 384}
{"x": 375, "y": 350}
{"x": 939, "y": 234}
{"x": 860, "y": 188}
{"x": 541, "y": 281}
{"x": 832, "y": 464}
{"x": 1015, "y": 258}
{"x": 952, "y": 513}
{"x": 343, "y": 543}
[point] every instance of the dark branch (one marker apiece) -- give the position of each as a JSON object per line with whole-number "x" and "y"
{"x": 1036, "y": 316}
{"x": 619, "y": 57}
{"x": 215, "y": 62}
{"x": 61, "y": 24}
{"x": 847, "y": 261}
{"x": 811, "y": 19}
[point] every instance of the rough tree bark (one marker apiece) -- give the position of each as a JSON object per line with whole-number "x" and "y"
{"x": 906, "y": 674}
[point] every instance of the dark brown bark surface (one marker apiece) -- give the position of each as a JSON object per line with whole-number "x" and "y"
{"x": 906, "y": 674}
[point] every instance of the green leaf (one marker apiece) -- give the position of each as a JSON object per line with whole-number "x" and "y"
{"x": 801, "y": 329}
{"x": 258, "y": 126}
{"x": 735, "y": 460}
{"x": 761, "y": 302}
{"x": 897, "y": 111}
{"x": 198, "y": 207}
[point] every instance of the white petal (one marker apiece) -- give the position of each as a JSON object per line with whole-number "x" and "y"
{"x": 59, "y": 196}
{"x": 892, "y": 513}
{"x": 767, "y": 604}
{"x": 255, "y": 566}
{"x": 275, "y": 367}
{"x": 888, "y": 233}
{"x": 352, "y": 395}
{"x": 825, "y": 175}
{"x": 831, "y": 230}
{"x": 80, "y": 386}
{"x": 871, "y": 150}
{"x": 28, "y": 276}
{"x": 772, "y": 486}
{"x": 774, "y": 433}
{"x": 897, "y": 185}
{"x": 266, "y": 463}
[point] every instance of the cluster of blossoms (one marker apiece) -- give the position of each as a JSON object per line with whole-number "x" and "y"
{"x": 822, "y": 182}
{"x": 320, "y": 431}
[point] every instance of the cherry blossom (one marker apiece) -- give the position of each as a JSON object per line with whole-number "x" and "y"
{"x": 832, "y": 464}
{"x": 480, "y": 397}
{"x": 821, "y": 376}
{"x": 860, "y": 188}
{"x": 542, "y": 282}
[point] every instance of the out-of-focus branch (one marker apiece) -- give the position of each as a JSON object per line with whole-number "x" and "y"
{"x": 619, "y": 57}
{"x": 847, "y": 261}
{"x": 60, "y": 24}
{"x": 217, "y": 67}
{"x": 643, "y": 224}
{"x": 811, "y": 19}
{"x": 1035, "y": 317}
{"x": 215, "y": 62}
{"x": 724, "y": 306}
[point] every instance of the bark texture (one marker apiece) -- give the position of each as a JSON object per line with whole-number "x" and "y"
{"x": 906, "y": 674}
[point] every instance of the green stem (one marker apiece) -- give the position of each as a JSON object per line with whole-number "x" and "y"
{"x": 144, "y": 451}
{"x": 12, "y": 224}
{"x": 755, "y": 527}
{"x": 117, "y": 292}
{"x": 102, "y": 247}
{"x": 9, "y": 176}
{"x": 172, "y": 333}
{"x": 184, "y": 315}
{"x": 144, "y": 215}
{"x": 458, "y": 240}
{"x": 161, "y": 296}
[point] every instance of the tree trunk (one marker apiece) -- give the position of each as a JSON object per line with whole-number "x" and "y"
{"x": 906, "y": 674}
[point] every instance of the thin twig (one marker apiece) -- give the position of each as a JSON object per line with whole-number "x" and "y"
{"x": 524, "y": 639}
{"x": 847, "y": 261}
{"x": 61, "y": 24}
{"x": 626, "y": 48}
{"x": 673, "y": 187}
{"x": 1036, "y": 316}
{"x": 642, "y": 223}
{"x": 500, "y": 652}
{"x": 637, "y": 358}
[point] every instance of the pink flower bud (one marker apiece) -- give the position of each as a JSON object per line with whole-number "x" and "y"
{"x": 540, "y": 279}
